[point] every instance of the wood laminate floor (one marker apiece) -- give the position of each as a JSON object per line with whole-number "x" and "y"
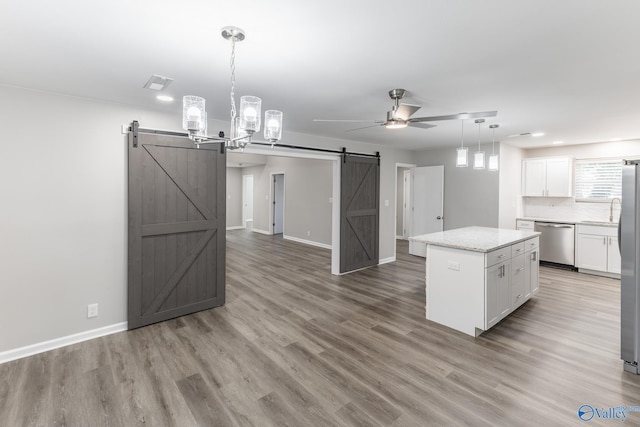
{"x": 296, "y": 346}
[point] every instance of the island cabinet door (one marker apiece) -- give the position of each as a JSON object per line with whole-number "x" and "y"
{"x": 498, "y": 293}
{"x": 532, "y": 262}
{"x": 518, "y": 281}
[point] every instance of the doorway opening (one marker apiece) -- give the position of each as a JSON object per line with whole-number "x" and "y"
{"x": 277, "y": 195}
{"x": 403, "y": 202}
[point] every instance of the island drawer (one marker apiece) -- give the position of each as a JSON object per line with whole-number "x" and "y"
{"x": 497, "y": 256}
{"x": 517, "y": 249}
{"x": 531, "y": 243}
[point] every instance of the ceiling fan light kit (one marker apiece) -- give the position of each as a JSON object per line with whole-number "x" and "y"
{"x": 244, "y": 124}
{"x": 400, "y": 115}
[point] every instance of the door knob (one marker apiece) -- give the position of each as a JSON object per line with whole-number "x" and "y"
{"x": 438, "y": 217}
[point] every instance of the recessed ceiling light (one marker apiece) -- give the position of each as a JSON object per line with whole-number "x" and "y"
{"x": 558, "y": 142}
{"x": 157, "y": 82}
{"x": 165, "y": 98}
{"x": 537, "y": 134}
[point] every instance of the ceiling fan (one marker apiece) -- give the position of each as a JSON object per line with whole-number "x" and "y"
{"x": 400, "y": 115}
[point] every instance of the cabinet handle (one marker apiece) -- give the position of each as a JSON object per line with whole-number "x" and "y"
{"x": 518, "y": 250}
{"x": 534, "y": 256}
{"x": 520, "y": 269}
{"x": 519, "y": 296}
{"x": 500, "y": 256}
{"x": 605, "y": 241}
{"x": 610, "y": 241}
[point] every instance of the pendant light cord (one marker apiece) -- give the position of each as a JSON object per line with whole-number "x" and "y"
{"x": 479, "y": 136}
{"x": 461, "y": 133}
{"x": 493, "y": 141}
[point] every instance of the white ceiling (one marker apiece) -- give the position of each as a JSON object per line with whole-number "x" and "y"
{"x": 569, "y": 68}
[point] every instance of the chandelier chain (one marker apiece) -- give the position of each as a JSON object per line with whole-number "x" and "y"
{"x": 233, "y": 83}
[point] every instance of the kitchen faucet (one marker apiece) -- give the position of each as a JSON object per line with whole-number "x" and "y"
{"x": 611, "y": 208}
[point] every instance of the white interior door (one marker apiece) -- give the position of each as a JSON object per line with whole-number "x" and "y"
{"x": 427, "y": 195}
{"x": 247, "y": 201}
{"x": 278, "y": 203}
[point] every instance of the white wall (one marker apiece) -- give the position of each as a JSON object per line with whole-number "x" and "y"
{"x": 234, "y": 197}
{"x": 63, "y": 220}
{"x": 308, "y": 187}
{"x": 63, "y": 217}
{"x": 470, "y": 196}
{"x": 510, "y": 199}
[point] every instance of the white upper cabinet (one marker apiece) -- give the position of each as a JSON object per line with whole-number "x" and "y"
{"x": 547, "y": 177}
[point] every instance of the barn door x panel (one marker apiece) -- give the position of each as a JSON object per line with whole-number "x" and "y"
{"x": 176, "y": 228}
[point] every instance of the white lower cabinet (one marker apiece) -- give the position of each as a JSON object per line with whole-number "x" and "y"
{"x": 472, "y": 290}
{"x": 597, "y": 249}
{"x": 532, "y": 276}
{"x": 511, "y": 280}
{"x": 614, "y": 262}
{"x": 498, "y": 288}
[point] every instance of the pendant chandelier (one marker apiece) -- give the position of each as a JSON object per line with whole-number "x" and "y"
{"x": 243, "y": 124}
{"x": 462, "y": 152}
{"x": 478, "y": 157}
{"x": 494, "y": 159}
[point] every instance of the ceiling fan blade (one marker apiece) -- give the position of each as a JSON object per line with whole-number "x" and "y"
{"x": 421, "y": 125}
{"x": 347, "y": 121}
{"x": 405, "y": 111}
{"x": 366, "y": 127}
{"x": 459, "y": 116}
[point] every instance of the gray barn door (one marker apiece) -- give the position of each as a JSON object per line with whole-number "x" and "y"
{"x": 176, "y": 228}
{"x": 359, "y": 212}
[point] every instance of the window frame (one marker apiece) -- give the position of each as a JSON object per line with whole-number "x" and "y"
{"x": 576, "y": 181}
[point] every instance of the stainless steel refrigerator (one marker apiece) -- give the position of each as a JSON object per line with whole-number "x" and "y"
{"x": 629, "y": 241}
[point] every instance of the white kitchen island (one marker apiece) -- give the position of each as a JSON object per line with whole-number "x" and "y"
{"x": 476, "y": 276}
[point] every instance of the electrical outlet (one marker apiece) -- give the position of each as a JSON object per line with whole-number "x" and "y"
{"x": 92, "y": 310}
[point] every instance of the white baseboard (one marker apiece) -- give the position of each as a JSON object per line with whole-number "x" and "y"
{"x": 257, "y": 230}
{"x": 386, "y": 260}
{"x": 307, "y": 242}
{"x": 30, "y": 350}
{"x": 236, "y": 227}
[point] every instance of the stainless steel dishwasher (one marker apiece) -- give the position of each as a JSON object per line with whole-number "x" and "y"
{"x": 557, "y": 242}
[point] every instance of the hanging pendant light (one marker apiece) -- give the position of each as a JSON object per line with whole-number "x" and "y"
{"x": 463, "y": 152}
{"x": 244, "y": 124}
{"x": 494, "y": 159}
{"x": 478, "y": 157}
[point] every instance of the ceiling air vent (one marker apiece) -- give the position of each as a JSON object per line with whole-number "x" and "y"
{"x": 157, "y": 82}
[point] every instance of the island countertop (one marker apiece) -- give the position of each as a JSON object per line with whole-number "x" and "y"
{"x": 476, "y": 239}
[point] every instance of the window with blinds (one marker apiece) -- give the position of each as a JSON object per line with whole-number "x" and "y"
{"x": 598, "y": 180}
